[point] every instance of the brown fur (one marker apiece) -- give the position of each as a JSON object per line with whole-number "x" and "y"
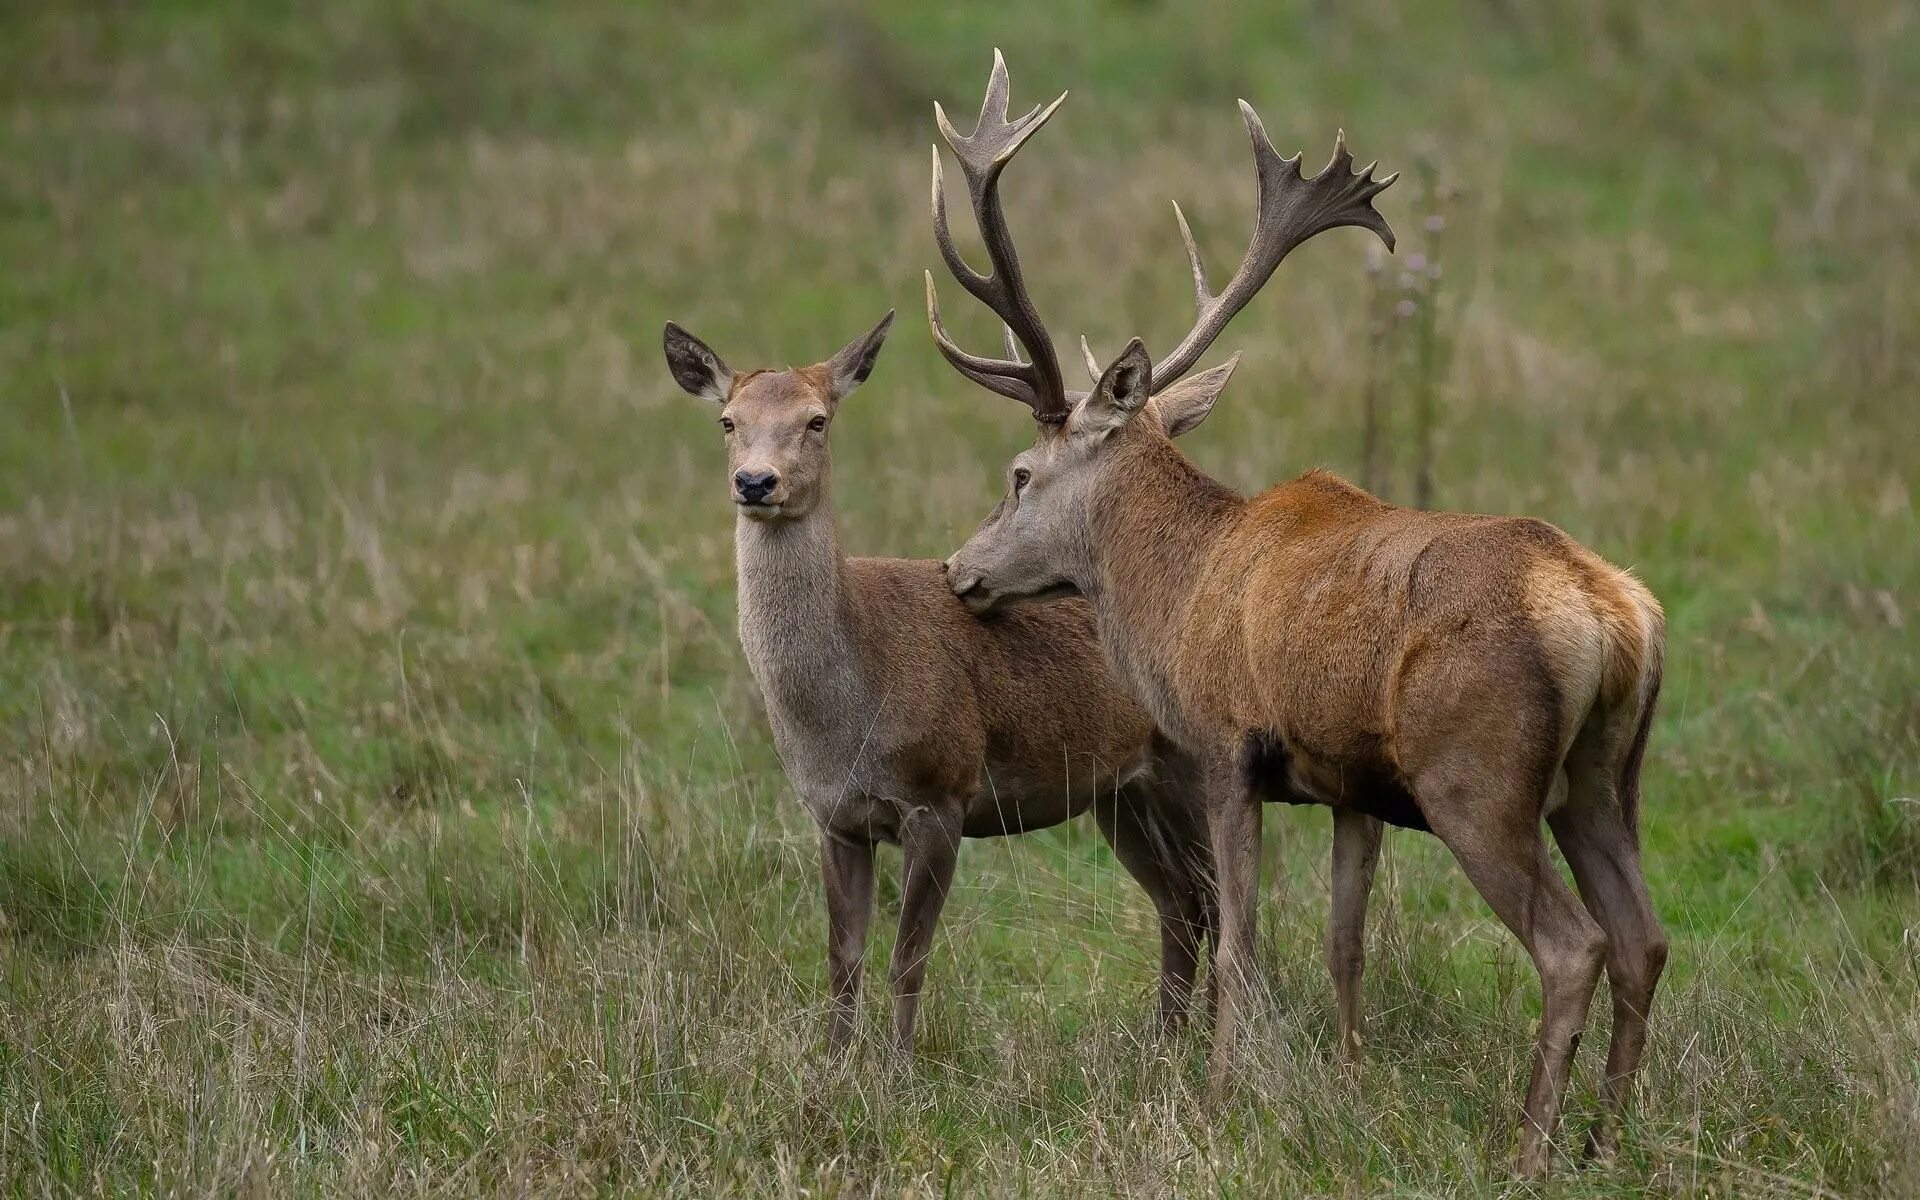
{"x": 902, "y": 717}
{"x": 1468, "y": 675}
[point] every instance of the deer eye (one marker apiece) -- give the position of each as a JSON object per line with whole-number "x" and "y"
{"x": 726, "y": 423}
{"x": 817, "y": 424}
{"x": 1021, "y": 477}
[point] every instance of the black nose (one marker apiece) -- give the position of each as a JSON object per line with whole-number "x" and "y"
{"x": 753, "y": 486}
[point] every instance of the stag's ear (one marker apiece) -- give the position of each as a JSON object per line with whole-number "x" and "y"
{"x": 695, "y": 367}
{"x": 1122, "y": 391}
{"x": 849, "y": 369}
{"x": 1187, "y": 403}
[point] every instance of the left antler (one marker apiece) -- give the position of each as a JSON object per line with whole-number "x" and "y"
{"x": 1291, "y": 208}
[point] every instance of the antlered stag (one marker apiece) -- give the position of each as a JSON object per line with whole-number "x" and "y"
{"x": 901, "y": 717}
{"x": 1465, "y": 675}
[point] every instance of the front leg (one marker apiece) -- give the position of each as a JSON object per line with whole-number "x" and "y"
{"x": 929, "y": 847}
{"x": 1233, "y": 818}
{"x": 846, "y": 868}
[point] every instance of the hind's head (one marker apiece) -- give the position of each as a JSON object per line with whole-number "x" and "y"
{"x": 775, "y": 422}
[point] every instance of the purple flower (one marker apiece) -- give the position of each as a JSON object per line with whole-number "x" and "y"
{"x": 1404, "y": 309}
{"x": 1436, "y": 223}
{"x": 1416, "y": 262}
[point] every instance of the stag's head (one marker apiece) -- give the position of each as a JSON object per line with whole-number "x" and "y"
{"x": 775, "y": 422}
{"x": 1036, "y": 542}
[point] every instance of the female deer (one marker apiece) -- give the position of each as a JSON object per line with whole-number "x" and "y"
{"x": 901, "y": 717}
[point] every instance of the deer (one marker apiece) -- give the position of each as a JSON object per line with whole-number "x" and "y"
{"x": 1467, "y": 676}
{"x": 900, "y": 716}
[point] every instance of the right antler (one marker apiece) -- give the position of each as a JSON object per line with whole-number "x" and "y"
{"x": 1291, "y": 209}
{"x": 1036, "y": 381}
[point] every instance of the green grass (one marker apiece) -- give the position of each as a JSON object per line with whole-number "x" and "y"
{"x": 384, "y": 803}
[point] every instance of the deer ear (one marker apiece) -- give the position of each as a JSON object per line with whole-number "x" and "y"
{"x": 1187, "y": 403}
{"x": 695, "y": 367}
{"x": 849, "y": 369}
{"x": 1122, "y": 391}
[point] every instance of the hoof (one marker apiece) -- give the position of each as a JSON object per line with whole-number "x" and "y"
{"x": 1533, "y": 1162}
{"x": 1603, "y": 1143}
{"x": 1349, "y": 1058}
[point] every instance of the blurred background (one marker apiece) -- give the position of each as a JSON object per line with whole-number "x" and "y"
{"x": 384, "y": 802}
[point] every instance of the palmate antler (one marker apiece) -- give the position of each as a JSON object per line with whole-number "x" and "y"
{"x": 1291, "y": 208}
{"x": 1035, "y": 381}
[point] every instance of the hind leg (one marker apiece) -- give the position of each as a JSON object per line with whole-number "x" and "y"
{"x": 1149, "y": 854}
{"x": 1356, "y": 852}
{"x": 1494, "y": 832}
{"x": 1605, "y": 857}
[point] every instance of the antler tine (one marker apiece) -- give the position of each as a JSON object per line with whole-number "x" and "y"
{"x": 1009, "y": 345}
{"x": 969, "y": 278}
{"x": 994, "y": 139}
{"x": 983, "y": 154}
{"x": 1093, "y": 364}
{"x": 1291, "y": 208}
{"x": 996, "y": 375}
{"x": 1200, "y": 292}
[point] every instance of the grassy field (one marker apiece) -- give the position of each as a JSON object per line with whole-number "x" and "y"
{"x": 384, "y": 802}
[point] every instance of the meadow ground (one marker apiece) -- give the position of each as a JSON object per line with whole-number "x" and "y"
{"x": 384, "y": 804}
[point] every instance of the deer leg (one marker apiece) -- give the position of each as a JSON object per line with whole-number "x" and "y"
{"x": 930, "y": 846}
{"x": 1233, "y": 819}
{"x": 1605, "y": 857}
{"x": 846, "y": 868}
{"x": 1499, "y": 844}
{"x": 1356, "y": 851}
{"x": 1210, "y": 931}
{"x": 1144, "y": 850}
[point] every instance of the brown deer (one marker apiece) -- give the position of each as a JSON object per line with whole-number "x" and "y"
{"x": 1464, "y": 675}
{"x": 902, "y": 717}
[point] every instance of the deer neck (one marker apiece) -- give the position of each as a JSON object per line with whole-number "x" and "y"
{"x": 794, "y": 608}
{"x": 1150, "y": 537}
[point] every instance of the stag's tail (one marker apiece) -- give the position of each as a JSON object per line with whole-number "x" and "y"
{"x": 1645, "y": 659}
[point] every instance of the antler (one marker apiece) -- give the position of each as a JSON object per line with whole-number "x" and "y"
{"x": 1036, "y": 381}
{"x": 1291, "y": 209}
